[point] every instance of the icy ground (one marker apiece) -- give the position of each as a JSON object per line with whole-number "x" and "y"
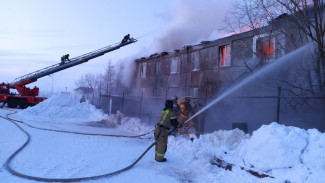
{"x": 287, "y": 154}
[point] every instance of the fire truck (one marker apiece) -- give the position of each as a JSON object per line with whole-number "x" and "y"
{"x": 29, "y": 97}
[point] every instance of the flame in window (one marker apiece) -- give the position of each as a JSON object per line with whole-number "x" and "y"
{"x": 265, "y": 48}
{"x": 224, "y": 55}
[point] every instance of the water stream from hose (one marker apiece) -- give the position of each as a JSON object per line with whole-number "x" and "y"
{"x": 294, "y": 55}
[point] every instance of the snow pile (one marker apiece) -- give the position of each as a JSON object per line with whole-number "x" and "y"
{"x": 132, "y": 125}
{"x": 287, "y": 153}
{"x": 278, "y": 144}
{"x": 314, "y": 155}
{"x": 204, "y": 149}
{"x": 63, "y": 106}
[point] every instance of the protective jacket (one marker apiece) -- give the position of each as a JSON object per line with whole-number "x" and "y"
{"x": 166, "y": 120}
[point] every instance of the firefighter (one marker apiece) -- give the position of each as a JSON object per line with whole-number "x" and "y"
{"x": 167, "y": 119}
{"x": 126, "y": 39}
{"x": 186, "y": 112}
{"x": 64, "y": 58}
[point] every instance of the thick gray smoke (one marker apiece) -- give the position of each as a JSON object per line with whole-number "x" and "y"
{"x": 125, "y": 68}
{"x": 190, "y": 22}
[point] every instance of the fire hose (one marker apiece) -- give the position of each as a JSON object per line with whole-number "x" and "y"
{"x": 12, "y": 171}
{"x": 220, "y": 163}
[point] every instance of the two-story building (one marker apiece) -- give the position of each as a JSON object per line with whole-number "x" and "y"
{"x": 207, "y": 70}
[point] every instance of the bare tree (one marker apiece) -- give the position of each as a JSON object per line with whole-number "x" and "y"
{"x": 305, "y": 17}
{"x": 93, "y": 85}
{"x": 109, "y": 80}
{"x": 87, "y": 85}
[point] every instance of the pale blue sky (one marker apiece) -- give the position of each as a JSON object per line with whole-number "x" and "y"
{"x": 34, "y": 34}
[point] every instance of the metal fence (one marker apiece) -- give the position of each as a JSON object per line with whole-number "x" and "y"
{"x": 149, "y": 109}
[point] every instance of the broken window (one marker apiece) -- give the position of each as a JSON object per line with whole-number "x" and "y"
{"x": 265, "y": 47}
{"x": 224, "y": 55}
{"x": 143, "y": 72}
{"x": 195, "y": 61}
{"x": 174, "y": 66}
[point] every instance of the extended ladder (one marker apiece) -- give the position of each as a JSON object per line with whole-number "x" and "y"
{"x": 31, "y": 77}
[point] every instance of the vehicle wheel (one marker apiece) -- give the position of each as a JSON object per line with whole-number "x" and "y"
{"x": 12, "y": 102}
{"x": 23, "y": 103}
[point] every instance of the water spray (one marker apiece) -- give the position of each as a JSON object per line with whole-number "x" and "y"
{"x": 275, "y": 64}
{"x": 148, "y": 34}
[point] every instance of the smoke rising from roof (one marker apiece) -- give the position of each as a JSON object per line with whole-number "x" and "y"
{"x": 190, "y": 22}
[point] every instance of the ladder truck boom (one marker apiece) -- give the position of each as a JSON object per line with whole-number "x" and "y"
{"x": 28, "y": 97}
{"x": 31, "y": 77}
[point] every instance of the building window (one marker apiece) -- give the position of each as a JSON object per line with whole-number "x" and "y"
{"x": 157, "y": 67}
{"x": 224, "y": 55}
{"x": 143, "y": 72}
{"x": 195, "y": 61}
{"x": 264, "y": 47}
{"x": 174, "y": 66}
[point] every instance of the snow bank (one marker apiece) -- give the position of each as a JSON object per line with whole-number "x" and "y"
{"x": 197, "y": 154}
{"x": 64, "y": 106}
{"x": 128, "y": 124}
{"x": 134, "y": 125}
{"x": 286, "y": 153}
{"x": 278, "y": 144}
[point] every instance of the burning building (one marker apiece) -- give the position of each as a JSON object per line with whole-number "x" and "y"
{"x": 206, "y": 70}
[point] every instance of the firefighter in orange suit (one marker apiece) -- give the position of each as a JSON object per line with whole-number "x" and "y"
{"x": 167, "y": 119}
{"x": 186, "y": 112}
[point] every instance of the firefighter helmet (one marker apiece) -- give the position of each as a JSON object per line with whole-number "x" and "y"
{"x": 169, "y": 104}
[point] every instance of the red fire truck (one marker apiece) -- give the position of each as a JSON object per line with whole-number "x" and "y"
{"x": 29, "y": 97}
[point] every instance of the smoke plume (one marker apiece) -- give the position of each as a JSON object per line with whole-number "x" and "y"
{"x": 190, "y": 22}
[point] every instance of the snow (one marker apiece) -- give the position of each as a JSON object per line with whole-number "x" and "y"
{"x": 288, "y": 154}
{"x": 66, "y": 107}
{"x": 289, "y": 143}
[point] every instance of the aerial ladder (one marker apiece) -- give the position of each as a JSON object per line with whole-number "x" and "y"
{"x": 29, "y": 97}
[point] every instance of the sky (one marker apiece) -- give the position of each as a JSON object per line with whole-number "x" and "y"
{"x": 35, "y": 34}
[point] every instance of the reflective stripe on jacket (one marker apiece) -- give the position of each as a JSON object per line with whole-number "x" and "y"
{"x": 166, "y": 117}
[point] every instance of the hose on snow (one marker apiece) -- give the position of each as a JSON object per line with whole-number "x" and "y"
{"x": 14, "y": 172}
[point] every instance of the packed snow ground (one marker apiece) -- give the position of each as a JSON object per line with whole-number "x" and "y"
{"x": 288, "y": 154}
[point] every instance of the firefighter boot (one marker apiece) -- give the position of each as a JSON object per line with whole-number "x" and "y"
{"x": 161, "y": 160}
